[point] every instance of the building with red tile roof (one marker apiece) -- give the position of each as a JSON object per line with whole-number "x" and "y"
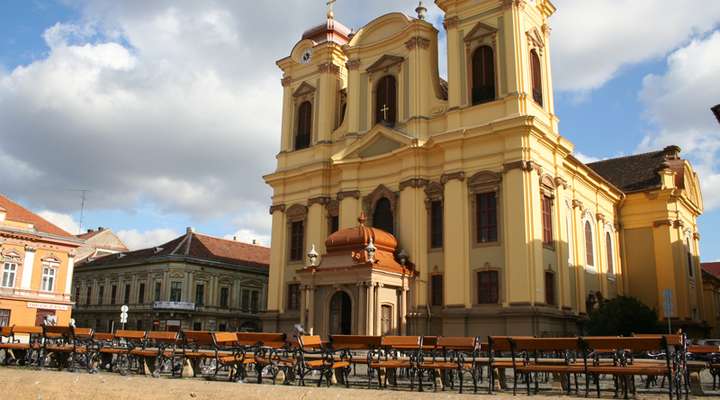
{"x": 194, "y": 281}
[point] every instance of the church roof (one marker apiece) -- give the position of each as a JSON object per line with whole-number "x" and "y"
{"x": 193, "y": 246}
{"x": 329, "y": 31}
{"x": 712, "y": 268}
{"x": 16, "y": 212}
{"x": 639, "y": 172}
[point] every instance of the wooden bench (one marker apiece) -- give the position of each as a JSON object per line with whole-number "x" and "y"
{"x": 327, "y": 364}
{"x": 22, "y": 344}
{"x": 547, "y": 355}
{"x": 230, "y": 354}
{"x": 271, "y": 350}
{"x": 59, "y": 344}
{"x": 497, "y": 364}
{"x": 397, "y": 352}
{"x": 458, "y": 354}
{"x": 356, "y": 349}
{"x": 198, "y": 350}
{"x": 124, "y": 343}
{"x": 158, "y": 348}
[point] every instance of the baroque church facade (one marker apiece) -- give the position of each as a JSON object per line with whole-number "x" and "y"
{"x": 407, "y": 204}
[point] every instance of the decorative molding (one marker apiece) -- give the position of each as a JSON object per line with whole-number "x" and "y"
{"x": 414, "y": 183}
{"x": 286, "y": 81}
{"x": 303, "y": 89}
{"x": 662, "y": 222}
{"x": 417, "y": 41}
{"x": 578, "y": 204}
{"x": 536, "y": 38}
{"x": 434, "y": 192}
{"x": 353, "y": 65}
{"x": 561, "y": 182}
{"x": 322, "y": 200}
{"x": 547, "y": 183}
{"x": 514, "y": 3}
{"x": 30, "y": 248}
{"x": 296, "y": 212}
{"x": 355, "y": 194}
{"x": 333, "y": 208}
{"x": 377, "y": 194}
{"x": 600, "y": 217}
{"x": 679, "y": 224}
{"x": 385, "y": 62}
{"x": 277, "y": 207}
{"x": 450, "y": 23}
{"x": 525, "y": 165}
{"x": 329, "y": 67}
{"x": 447, "y": 177}
{"x": 484, "y": 180}
{"x": 479, "y": 32}
{"x": 696, "y": 236}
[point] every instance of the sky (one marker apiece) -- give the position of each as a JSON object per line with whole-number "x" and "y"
{"x": 168, "y": 112}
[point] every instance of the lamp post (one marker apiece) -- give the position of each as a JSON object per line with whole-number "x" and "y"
{"x": 421, "y": 11}
{"x": 313, "y": 256}
{"x": 371, "y": 249}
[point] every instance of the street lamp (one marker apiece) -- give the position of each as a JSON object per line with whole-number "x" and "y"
{"x": 403, "y": 257}
{"x": 371, "y": 249}
{"x": 421, "y": 11}
{"x": 313, "y": 256}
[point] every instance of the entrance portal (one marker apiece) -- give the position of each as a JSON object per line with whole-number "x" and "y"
{"x": 340, "y": 314}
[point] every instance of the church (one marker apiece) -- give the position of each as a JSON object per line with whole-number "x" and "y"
{"x": 404, "y": 203}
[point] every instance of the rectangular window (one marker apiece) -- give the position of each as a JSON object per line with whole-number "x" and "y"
{"x": 48, "y": 278}
{"x": 297, "y": 232}
{"x": 4, "y": 318}
{"x": 245, "y": 300}
{"x": 486, "y": 217}
{"x": 197, "y": 326}
{"x": 199, "y": 294}
{"x": 113, "y": 294}
{"x": 141, "y": 294}
{"x": 158, "y": 291}
{"x": 101, "y": 295}
{"x": 126, "y": 298}
{"x": 436, "y": 224}
{"x": 334, "y": 222}
{"x": 688, "y": 249}
{"x": 547, "y": 225}
{"x": 224, "y": 296}
{"x": 254, "y": 301}
{"x": 139, "y": 325}
{"x": 88, "y": 295}
{"x": 293, "y": 301}
{"x": 175, "y": 291}
{"x": 436, "y": 288}
{"x": 487, "y": 287}
{"x": 8, "y": 276}
{"x": 77, "y": 295}
{"x": 549, "y": 288}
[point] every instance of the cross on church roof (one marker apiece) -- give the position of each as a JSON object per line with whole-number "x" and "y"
{"x": 330, "y": 13}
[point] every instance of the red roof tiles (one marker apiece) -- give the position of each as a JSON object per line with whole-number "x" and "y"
{"x": 712, "y": 268}
{"x": 18, "y": 213}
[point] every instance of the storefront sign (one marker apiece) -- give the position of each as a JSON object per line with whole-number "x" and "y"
{"x": 47, "y": 306}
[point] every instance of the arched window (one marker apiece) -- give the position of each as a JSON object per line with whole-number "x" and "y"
{"x": 386, "y": 101}
{"x": 688, "y": 250}
{"x": 304, "y": 126}
{"x": 610, "y": 258}
{"x": 383, "y": 216}
{"x": 483, "y": 75}
{"x": 589, "y": 252}
{"x": 536, "y": 77}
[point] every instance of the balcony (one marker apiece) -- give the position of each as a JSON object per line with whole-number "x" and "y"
{"x": 174, "y": 305}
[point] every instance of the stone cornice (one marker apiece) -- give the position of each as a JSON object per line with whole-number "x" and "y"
{"x": 414, "y": 183}
{"x": 322, "y": 200}
{"x": 417, "y": 41}
{"x": 286, "y": 81}
{"x": 451, "y": 22}
{"x": 329, "y": 68}
{"x": 277, "y": 207}
{"x": 662, "y": 222}
{"x": 353, "y": 64}
{"x": 445, "y": 178}
{"x": 525, "y": 165}
{"x": 355, "y": 194}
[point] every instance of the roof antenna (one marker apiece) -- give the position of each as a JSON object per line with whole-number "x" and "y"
{"x": 83, "y": 197}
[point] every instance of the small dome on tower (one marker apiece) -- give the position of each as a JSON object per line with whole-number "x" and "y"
{"x": 359, "y": 237}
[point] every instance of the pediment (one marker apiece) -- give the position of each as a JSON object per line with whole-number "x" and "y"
{"x": 305, "y": 88}
{"x": 385, "y": 61}
{"x": 480, "y": 31}
{"x": 536, "y": 38}
{"x": 380, "y": 140}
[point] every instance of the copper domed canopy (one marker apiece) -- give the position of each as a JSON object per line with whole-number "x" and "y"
{"x": 358, "y": 238}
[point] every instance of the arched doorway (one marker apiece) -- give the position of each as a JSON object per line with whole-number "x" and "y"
{"x": 383, "y": 216}
{"x": 340, "y": 314}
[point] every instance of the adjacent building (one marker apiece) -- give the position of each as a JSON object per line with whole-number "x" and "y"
{"x": 98, "y": 243}
{"x": 711, "y": 294}
{"x": 37, "y": 261}
{"x": 479, "y": 217}
{"x": 194, "y": 282}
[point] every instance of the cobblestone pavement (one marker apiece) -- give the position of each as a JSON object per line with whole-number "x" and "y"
{"x": 24, "y": 383}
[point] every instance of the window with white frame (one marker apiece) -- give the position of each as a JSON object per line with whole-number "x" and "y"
{"x": 8, "y": 274}
{"x": 589, "y": 244}
{"x": 48, "y": 277}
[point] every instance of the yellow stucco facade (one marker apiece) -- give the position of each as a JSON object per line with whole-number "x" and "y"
{"x": 36, "y": 267}
{"x": 445, "y": 142}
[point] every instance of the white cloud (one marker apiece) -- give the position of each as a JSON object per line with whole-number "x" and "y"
{"x": 64, "y": 221}
{"x": 593, "y": 40}
{"x": 678, "y": 103}
{"x": 586, "y": 159}
{"x": 135, "y": 239}
{"x": 250, "y": 236}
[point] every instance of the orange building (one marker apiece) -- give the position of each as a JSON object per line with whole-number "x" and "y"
{"x": 37, "y": 265}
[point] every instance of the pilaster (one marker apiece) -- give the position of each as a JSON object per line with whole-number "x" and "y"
{"x": 278, "y": 253}
{"x": 456, "y": 242}
{"x": 28, "y": 267}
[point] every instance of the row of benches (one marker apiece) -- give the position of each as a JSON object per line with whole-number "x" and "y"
{"x": 234, "y": 353}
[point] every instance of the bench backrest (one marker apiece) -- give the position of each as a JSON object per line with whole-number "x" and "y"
{"x": 162, "y": 337}
{"x": 355, "y": 342}
{"x": 6, "y": 331}
{"x": 461, "y": 343}
{"x": 83, "y": 333}
{"x": 310, "y": 342}
{"x": 634, "y": 344}
{"x": 546, "y": 344}
{"x": 27, "y": 330}
{"x": 402, "y": 342}
{"x": 103, "y": 336}
{"x": 130, "y": 335}
{"x": 225, "y": 338}
{"x": 199, "y": 338}
{"x": 704, "y": 349}
{"x": 57, "y": 331}
{"x": 429, "y": 342}
{"x": 274, "y": 340}
{"x": 499, "y": 343}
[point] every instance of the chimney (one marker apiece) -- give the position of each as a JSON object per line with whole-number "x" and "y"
{"x": 100, "y": 229}
{"x": 90, "y": 231}
{"x": 234, "y": 238}
{"x": 672, "y": 152}
{"x": 190, "y": 230}
{"x": 254, "y": 241}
